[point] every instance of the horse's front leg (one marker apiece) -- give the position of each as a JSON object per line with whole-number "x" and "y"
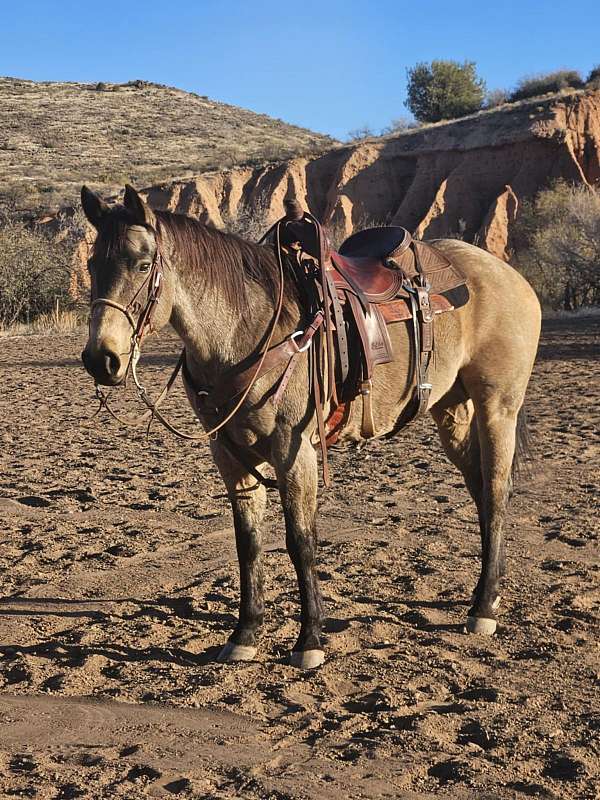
{"x": 298, "y": 489}
{"x": 248, "y": 501}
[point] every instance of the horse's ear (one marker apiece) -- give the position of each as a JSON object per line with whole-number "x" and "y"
{"x": 141, "y": 211}
{"x": 94, "y": 206}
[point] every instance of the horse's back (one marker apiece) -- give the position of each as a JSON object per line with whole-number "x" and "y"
{"x": 488, "y": 277}
{"x": 499, "y": 327}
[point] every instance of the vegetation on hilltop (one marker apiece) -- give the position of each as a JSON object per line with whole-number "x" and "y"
{"x": 56, "y": 136}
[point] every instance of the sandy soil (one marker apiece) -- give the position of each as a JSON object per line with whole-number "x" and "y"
{"x": 119, "y": 583}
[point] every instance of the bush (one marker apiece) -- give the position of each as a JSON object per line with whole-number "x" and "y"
{"x": 495, "y": 98}
{"x": 593, "y": 79}
{"x": 536, "y": 85}
{"x": 359, "y": 134}
{"x": 444, "y": 90}
{"x": 557, "y": 237}
{"x": 249, "y": 222}
{"x": 34, "y": 272}
{"x": 399, "y": 125}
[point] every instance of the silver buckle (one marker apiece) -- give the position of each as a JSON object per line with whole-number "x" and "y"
{"x": 306, "y": 346}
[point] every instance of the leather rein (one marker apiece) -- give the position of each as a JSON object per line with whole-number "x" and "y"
{"x": 271, "y": 357}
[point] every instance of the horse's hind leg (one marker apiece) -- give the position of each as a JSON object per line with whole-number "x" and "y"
{"x": 454, "y": 416}
{"x": 248, "y": 501}
{"x": 497, "y": 424}
{"x": 482, "y": 447}
{"x": 298, "y": 490}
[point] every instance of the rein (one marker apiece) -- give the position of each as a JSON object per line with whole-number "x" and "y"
{"x": 155, "y": 280}
{"x": 287, "y": 352}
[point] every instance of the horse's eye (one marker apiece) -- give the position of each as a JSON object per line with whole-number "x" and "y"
{"x": 145, "y": 267}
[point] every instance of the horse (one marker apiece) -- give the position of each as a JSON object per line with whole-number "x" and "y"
{"x": 228, "y": 299}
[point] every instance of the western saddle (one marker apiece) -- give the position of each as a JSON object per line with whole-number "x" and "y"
{"x": 378, "y": 277}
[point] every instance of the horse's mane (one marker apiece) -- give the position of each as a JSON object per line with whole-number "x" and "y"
{"x": 223, "y": 261}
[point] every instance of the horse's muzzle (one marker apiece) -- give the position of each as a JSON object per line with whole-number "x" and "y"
{"x": 104, "y": 365}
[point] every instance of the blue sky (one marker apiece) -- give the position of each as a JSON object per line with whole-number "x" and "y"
{"x": 331, "y": 66}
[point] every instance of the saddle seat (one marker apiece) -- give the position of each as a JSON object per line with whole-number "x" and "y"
{"x": 379, "y": 264}
{"x": 381, "y": 243}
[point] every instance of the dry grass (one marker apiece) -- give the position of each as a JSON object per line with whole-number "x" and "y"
{"x": 57, "y": 321}
{"x": 56, "y": 136}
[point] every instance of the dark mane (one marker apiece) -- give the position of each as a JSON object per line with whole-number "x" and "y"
{"x": 223, "y": 261}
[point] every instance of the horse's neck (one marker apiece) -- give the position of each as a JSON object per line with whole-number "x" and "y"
{"x": 214, "y": 333}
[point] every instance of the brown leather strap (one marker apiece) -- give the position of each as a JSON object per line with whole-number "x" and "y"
{"x": 367, "y": 428}
{"x": 316, "y": 384}
{"x": 340, "y": 328}
{"x": 237, "y": 453}
{"x": 302, "y": 346}
{"x": 336, "y": 422}
{"x": 326, "y": 294}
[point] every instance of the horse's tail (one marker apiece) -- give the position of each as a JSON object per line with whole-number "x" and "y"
{"x": 523, "y": 448}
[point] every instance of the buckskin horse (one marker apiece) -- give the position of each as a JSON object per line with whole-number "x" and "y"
{"x": 258, "y": 378}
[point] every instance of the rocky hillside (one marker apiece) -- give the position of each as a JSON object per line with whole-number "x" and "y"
{"x": 55, "y": 136}
{"x": 466, "y": 177}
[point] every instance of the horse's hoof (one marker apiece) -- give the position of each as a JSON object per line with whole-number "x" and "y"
{"x": 307, "y": 659}
{"x": 236, "y": 652}
{"x": 482, "y": 625}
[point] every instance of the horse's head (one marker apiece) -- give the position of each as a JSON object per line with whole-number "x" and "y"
{"x": 129, "y": 295}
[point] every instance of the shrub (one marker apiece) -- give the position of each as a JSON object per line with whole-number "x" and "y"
{"x": 34, "y": 272}
{"x": 359, "y": 134}
{"x": 250, "y": 221}
{"x": 557, "y": 237}
{"x": 593, "y": 79}
{"x": 444, "y": 90}
{"x": 495, "y": 98}
{"x": 400, "y": 124}
{"x": 536, "y": 85}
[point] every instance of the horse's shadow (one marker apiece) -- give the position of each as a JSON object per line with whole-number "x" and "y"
{"x": 75, "y": 654}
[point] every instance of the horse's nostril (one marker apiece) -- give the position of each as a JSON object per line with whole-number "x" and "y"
{"x": 112, "y": 363}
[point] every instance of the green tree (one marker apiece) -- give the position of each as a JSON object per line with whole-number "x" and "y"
{"x": 444, "y": 90}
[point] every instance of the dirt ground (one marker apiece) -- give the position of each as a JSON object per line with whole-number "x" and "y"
{"x": 119, "y": 584}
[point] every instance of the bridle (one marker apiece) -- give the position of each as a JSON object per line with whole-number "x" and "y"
{"x": 154, "y": 281}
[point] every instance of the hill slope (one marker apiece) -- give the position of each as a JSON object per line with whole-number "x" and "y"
{"x": 467, "y": 177}
{"x": 55, "y": 136}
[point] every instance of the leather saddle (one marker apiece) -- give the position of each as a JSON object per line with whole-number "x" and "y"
{"x": 382, "y": 262}
{"x": 380, "y": 276}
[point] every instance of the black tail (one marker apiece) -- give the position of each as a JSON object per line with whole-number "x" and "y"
{"x": 521, "y": 467}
